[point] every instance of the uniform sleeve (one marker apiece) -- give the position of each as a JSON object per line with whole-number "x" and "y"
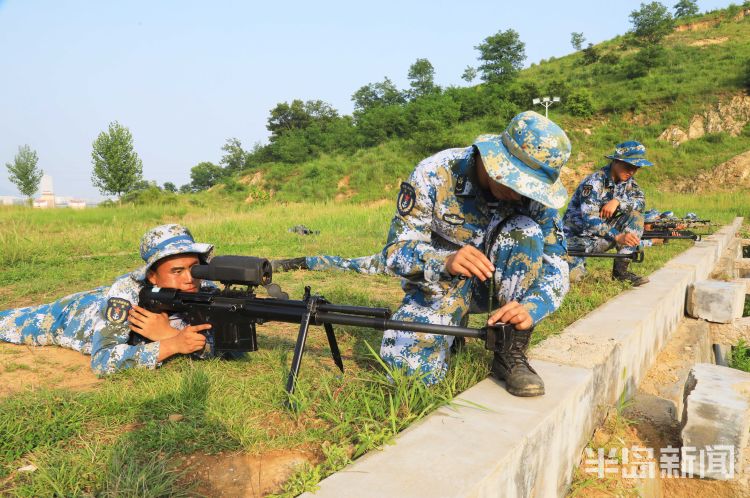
{"x": 547, "y": 292}
{"x": 631, "y": 197}
{"x": 591, "y": 204}
{"x": 110, "y": 351}
{"x": 409, "y": 252}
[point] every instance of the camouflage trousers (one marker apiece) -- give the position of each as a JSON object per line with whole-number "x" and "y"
{"x": 515, "y": 246}
{"x": 626, "y": 223}
{"x": 368, "y": 265}
{"x": 67, "y": 322}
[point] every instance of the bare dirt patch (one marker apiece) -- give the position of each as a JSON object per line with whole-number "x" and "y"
{"x": 709, "y": 41}
{"x": 28, "y": 367}
{"x": 243, "y": 475}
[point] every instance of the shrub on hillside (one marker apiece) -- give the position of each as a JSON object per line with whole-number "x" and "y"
{"x": 579, "y": 103}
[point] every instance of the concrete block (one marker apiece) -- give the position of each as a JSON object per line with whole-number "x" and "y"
{"x": 742, "y": 268}
{"x": 698, "y": 259}
{"x": 715, "y": 300}
{"x": 730, "y": 333}
{"x": 487, "y": 444}
{"x": 715, "y": 421}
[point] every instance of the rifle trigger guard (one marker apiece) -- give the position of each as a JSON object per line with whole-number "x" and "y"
{"x": 638, "y": 256}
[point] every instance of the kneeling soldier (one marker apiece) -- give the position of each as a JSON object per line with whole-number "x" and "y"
{"x": 606, "y": 211}
{"x": 477, "y": 223}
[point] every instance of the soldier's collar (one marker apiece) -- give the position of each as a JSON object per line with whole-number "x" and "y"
{"x": 608, "y": 180}
{"x": 466, "y": 177}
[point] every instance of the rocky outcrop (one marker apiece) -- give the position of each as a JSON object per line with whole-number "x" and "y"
{"x": 730, "y": 175}
{"x": 729, "y": 117}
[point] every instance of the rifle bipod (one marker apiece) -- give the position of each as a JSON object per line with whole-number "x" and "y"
{"x": 321, "y": 312}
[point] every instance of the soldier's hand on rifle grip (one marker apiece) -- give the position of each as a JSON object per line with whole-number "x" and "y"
{"x": 190, "y": 339}
{"x": 627, "y": 239}
{"x": 152, "y": 326}
{"x": 609, "y": 209}
{"x": 469, "y": 262}
{"x": 514, "y": 313}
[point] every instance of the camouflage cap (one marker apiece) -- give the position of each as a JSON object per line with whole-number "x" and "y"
{"x": 668, "y": 215}
{"x": 691, "y": 216}
{"x": 631, "y": 152}
{"x": 651, "y": 216}
{"x": 168, "y": 240}
{"x": 528, "y": 157}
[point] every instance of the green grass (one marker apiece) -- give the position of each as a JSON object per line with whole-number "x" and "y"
{"x": 76, "y": 438}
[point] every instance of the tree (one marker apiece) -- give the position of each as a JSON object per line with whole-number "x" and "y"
{"x": 577, "y": 39}
{"x": 383, "y": 93}
{"x": 590, "y": 55}
{"x": 234, "y": 158}
{"x": 170, "y": 187}
{"x": 421, "y": 79}
{"x": 23, "y": 173}
{"x": 298, "y": 115}
{"x": 502, "y": 55}
{"x": 186, "y": 189}
{"x": 469, "y": 74}
{"x": 685, "y": 8}
{"x": 205, "y": 175}
{"x": 117, "y": 167}
{"x": 651, "y": 23}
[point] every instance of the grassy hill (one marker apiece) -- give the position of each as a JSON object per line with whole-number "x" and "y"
{"x": 704, "y": 63}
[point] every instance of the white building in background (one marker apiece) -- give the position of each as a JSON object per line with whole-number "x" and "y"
{"x": 47, "y": 199}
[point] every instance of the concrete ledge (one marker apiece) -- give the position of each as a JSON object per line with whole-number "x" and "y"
{"x": 505, "y": 448}
{"x": 529, "y": 446}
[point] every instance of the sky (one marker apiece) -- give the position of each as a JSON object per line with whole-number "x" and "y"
{"x": 184, "y": 76}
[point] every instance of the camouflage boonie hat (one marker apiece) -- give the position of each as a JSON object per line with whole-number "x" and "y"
{"x": 691, "y": 216}
{"x": 651, "y": 216}
{"x": 631, "y": 152}
{"x": 668, "y": 215}
{"x": 528, "y": 157}
{"x": 168, "y": 240}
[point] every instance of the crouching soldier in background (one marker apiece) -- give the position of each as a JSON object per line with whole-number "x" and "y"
{"x": 99, "y": 322}
{"x": 474, "y": 223}
{"x": 606, "y": 211}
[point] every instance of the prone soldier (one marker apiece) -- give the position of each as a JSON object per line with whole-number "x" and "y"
{"x": 99, "y": 322}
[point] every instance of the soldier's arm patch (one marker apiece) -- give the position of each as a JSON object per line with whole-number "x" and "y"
{"x": 117, "y": 310}
{"x": 407, "y": 197}
{"x": 586, "y": 190}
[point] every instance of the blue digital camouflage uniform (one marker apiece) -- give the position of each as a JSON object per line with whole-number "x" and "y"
{"x": 584, "y": 227}
{"x": 440, "y": 209}
{"x": 80, "y": 322}
{"x": 95, "y": 322}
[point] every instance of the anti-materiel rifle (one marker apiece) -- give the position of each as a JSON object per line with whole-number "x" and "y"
{"x": 670, "y": 235}
{"x": 234, "y": 314}
{"x": 636, "y": 257}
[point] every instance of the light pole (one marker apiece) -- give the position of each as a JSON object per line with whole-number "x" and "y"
{"x": 546, "y": 102}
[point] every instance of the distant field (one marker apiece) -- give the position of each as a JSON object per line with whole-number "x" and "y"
{"x": 114, "y": 437}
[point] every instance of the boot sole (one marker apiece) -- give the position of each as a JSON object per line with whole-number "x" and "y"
{"x": 527, "y": 393}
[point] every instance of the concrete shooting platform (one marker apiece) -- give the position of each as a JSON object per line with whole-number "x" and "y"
{"x": 490, "y": 444}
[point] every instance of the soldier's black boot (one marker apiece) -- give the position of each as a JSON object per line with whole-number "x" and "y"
{"x": 512, "y": 366}
{"x": 289, "y": 264}
{"x": 620, "y": 272}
